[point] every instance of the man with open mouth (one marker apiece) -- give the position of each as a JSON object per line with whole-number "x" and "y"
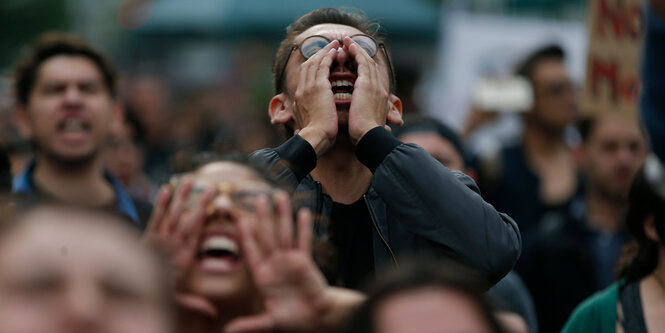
{"x": 66, "y": 105}
{"x": 374, "y": 197}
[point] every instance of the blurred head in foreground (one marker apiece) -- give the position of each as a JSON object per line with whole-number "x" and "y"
{"x": 426, "y": 297}
{"x": 70, "y": 270}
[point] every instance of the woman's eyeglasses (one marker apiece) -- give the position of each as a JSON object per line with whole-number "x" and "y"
{"x": 244, "y": 196}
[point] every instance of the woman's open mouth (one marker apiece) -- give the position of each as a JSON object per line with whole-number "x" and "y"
{"x": 219, "y": 253}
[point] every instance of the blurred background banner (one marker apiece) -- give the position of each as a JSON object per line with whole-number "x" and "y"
{"x": 615, "y": 33}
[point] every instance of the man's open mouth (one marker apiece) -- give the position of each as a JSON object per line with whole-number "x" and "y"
{"x": 342, "y": 90}
{"x": 73, "y": 125}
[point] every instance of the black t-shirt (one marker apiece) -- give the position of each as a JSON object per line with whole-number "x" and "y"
{"x": 352, "y": 235}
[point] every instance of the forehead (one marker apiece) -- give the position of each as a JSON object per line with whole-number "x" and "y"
{"x": 549, "y": 69}
{"x": 435, "y": 309}
{"x": 615, "y": 127}
{"x": 73, "y": 242}
{"x": 227, "y": 172}
{"x": 68, "y": 68}
{"x": 330, "y": 30}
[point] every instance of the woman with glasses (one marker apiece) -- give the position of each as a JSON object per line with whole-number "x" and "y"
{"x": 240, "y": 264}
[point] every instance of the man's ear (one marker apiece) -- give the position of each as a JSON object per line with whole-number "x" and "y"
{"x": 395, "y": 111}
{"x": 280, "y": 109}
{"x": 22, "y": 122}
{"x": 650, "y": 229}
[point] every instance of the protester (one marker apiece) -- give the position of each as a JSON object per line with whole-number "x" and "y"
{"x": 510, "y": 297}
{"x": 150, "y": 97}
{"x": 576, "y": 252}
{"x": 233, "y": 273}
{"x": 438, "y": 139}
{"x": 66, "y": 270}
{"x": 425, "y": 296}
{"x": 124, "y": 158}
{"x": 374, "y": 197}
{"x": 537, "y": 175}
{"x": 634, "y": 304}
{"x": 66, "y": 105}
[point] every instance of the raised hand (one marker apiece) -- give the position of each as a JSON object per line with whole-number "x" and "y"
{"x": 295, "y": 294}
{"x": 175, "y": 231}
{"x": 372, "y": 104}
{"x": 315, "y": 112}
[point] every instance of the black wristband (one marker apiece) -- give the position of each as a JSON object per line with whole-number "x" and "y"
{"x": 374, "y": 146}
{"x": 300, "y": 155}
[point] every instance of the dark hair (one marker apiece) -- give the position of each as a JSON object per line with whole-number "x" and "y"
{"x": 316, "y": 17}
{"x": 195, "y": 161}
{"x": 417, "y": 273}
{"x": 133, "y": 121}
{"x": 425, "y": 124}
{"x": 587, "y": 125}
{"x": 640, "y": 256}
{"x": 55, "y": 44}
{"x": 549, "y": 52}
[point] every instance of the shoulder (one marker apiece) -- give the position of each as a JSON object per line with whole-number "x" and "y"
{"x": 597, "y": 313}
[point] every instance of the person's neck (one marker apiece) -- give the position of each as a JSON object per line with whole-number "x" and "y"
{"x": 82, "y": 183}
{"x": 603, "y": 212}
{"x": 341, "y": 174}
{"x": 538, "y": 140}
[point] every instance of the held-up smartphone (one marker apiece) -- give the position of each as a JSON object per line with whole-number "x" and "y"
{"x": 503, "y": 94}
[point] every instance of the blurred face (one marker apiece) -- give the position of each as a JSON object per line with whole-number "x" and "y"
{"x": 69, "y": 110}
{"x": 429, "y": 310}
{"x": 440, "y": 148}
{"x": 554, "y": 106}
{"x": 59, "y": 274}
{"x": 343, "y": 72}
{"x": 219, "y": 272}
{"x": 149, "y": 97}
{"x": 613, "y": 153}
{"x": 122, "y": 156}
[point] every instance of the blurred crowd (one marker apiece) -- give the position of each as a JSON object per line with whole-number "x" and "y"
{"x": 338, "y": 210}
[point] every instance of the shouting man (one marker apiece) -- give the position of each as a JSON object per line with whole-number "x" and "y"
{"x": 375, "y": 197}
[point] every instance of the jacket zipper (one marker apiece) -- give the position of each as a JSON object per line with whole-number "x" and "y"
{"x": 376, "y": 228}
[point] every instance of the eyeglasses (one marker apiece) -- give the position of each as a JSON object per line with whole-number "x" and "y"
{"x": 312, "y": 44}
{"x": 244, "y": 195}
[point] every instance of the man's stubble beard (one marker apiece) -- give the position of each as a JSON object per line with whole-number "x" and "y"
{"x": 66, "y": 163}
